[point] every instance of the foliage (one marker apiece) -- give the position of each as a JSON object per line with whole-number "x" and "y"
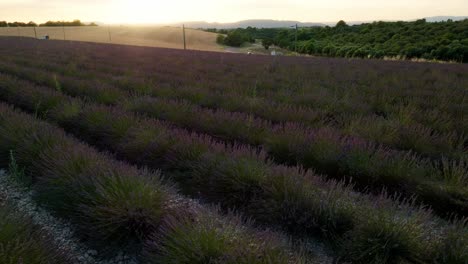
{"x": 16, "y": 172}
{"x": 215, "y": 30}
{"x": 73, "y": 23}
{"x": 207, "y": 240}
{"x": 23, "y": 242}
{"x": 113, "y": 205}
{"x": 234, "y": 38}
{"x": 256, "y": 128}
{"x": 327, "y": 150}
{"x": 288, "y": 197}
{"x": 17, "y": 24}
{"x": 220, "y": 39}
{"x": 341, "y": 24}
{"x": 266, "y": 43}
{"x": 447, "y": 41}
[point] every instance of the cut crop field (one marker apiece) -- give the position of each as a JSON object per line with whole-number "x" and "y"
{"x": 171, "y": 156}
{"x": 150, "y": 36}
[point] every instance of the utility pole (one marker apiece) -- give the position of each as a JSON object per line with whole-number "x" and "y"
{"x": 35, "y": 33}
{"x": 110, "y": 37}
{"x": 183, "y": 31}
{"x": 295, "y": 42}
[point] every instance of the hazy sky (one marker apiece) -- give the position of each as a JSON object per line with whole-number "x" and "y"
{"x": 144, "y": 11}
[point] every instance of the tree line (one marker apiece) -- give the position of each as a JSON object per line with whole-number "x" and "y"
{"x": 74, "y": 23}
{"x": 447, "y": 40}
{"x": 233, "y": 38}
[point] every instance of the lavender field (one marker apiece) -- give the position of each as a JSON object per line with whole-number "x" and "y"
{"x": 172, "y": 156}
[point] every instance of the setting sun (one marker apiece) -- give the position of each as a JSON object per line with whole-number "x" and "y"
{"x": 145, "y": 11}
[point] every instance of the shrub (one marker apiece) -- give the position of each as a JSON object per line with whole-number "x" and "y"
{"x": 115, "y": 206}
{"x": 220, "y": 39}
{"x": 17, "y": 173}
{"x": 207, "y": 240}
{"x": 23, "y": 242}
{"x": 287, "y": 197}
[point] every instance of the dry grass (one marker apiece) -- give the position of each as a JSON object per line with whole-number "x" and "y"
{"x": 166, "y": 37}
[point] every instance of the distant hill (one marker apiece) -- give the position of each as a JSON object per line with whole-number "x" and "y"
{"x": 428, "y": 19}
{"x": 258, "y": 23}
{"x": 445, "y": 18}
{"x": 270, "y": 23}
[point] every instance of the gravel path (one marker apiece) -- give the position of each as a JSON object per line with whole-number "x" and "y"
{"x": 61, "y": 231}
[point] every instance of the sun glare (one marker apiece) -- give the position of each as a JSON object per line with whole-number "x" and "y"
{"x": 146, "y": 11}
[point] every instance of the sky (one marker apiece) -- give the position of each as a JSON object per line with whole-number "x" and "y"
{"x": 172, "y": 11}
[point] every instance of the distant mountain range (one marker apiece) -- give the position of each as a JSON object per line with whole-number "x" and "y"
{"x": 270, "y": 23}
{"x": 428, "y": 19}
{"x": 445, "y": 18}
{"x": 258, "y": 23}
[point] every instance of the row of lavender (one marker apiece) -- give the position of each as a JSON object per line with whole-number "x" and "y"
{"x": 23, "y": 242}
{"x": 441, "y": 184}
{"x": 430, "y": 133}
{"x": 287, "y": 197}
{"x": 117, "y": 207}
{"x": 297, "y": 80}
{"x": 441, "y": 82}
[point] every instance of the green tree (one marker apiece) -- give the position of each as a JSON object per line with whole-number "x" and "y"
{"x": 417, "y": 39}
{"x": 266, "y": 43}
{"x": 220, "y": 39}
{"x": 236, "y": 38}
{"x": 74, "y": 23}
{"x": 341, "y": 23}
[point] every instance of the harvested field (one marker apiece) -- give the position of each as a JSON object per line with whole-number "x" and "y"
{"x": 165, "y": 37}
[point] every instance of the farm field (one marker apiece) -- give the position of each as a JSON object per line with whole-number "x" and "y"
{"x": 151, "y": 36}
{"x": 164, "y": 154}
